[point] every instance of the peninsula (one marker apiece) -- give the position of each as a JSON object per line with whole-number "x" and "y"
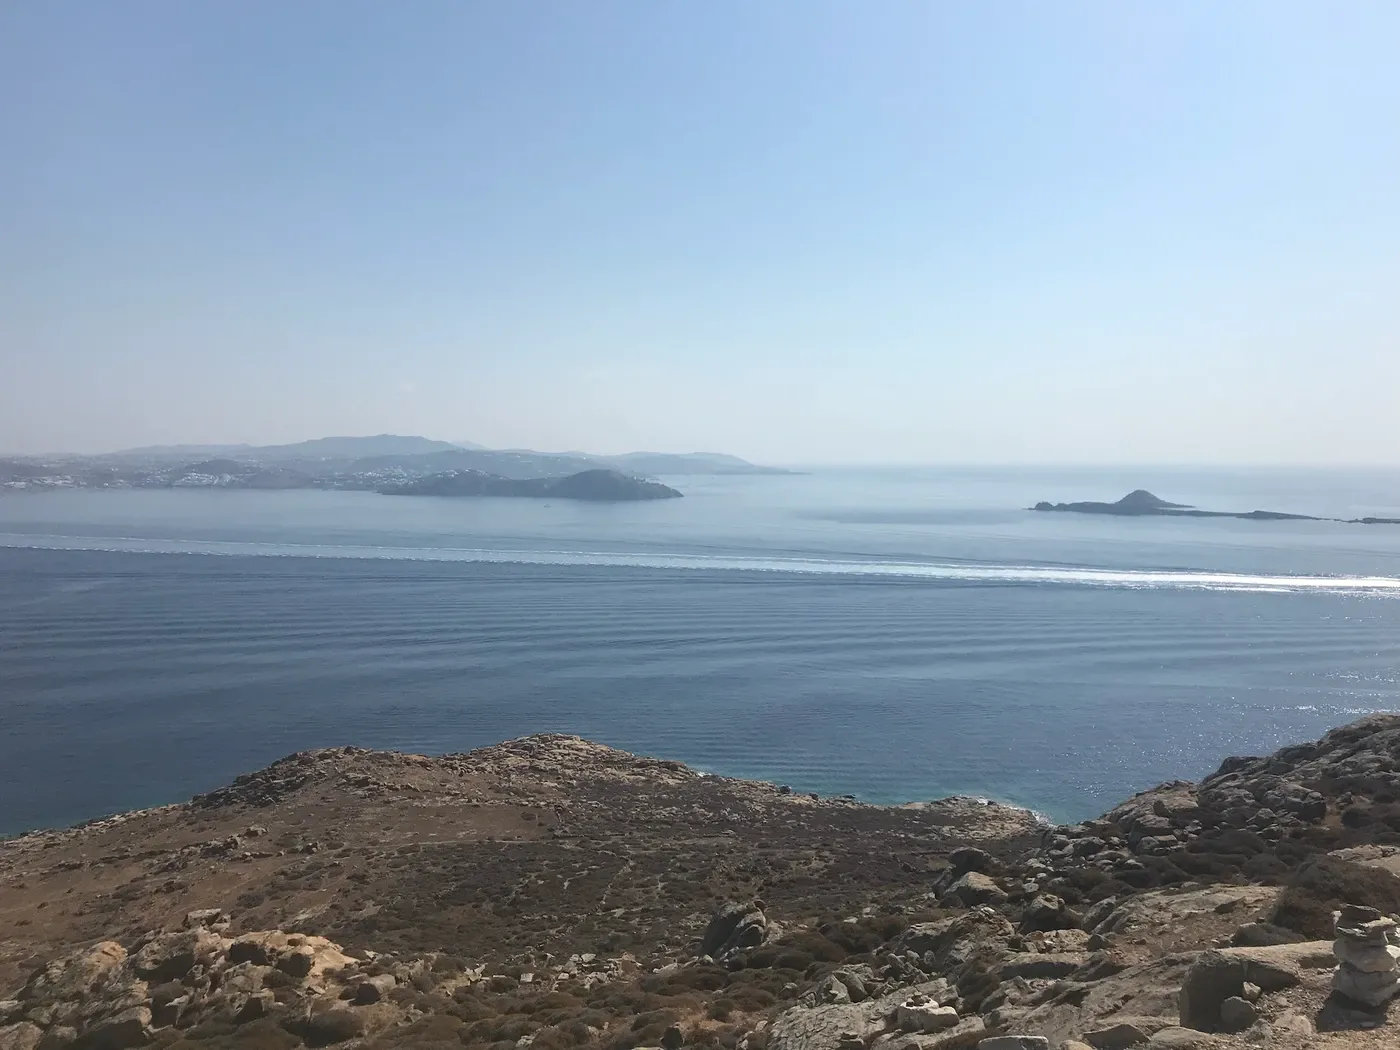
{"x": 601, "y": 486}
{"x": 1142, "y": 504}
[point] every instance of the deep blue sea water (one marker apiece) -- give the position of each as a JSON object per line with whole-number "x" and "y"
{"x": 895, "y": 634}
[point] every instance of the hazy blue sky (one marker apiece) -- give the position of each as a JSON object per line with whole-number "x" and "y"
{"x": 796, "y": 231}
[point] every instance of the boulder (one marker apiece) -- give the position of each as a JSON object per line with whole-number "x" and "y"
{"x": 922, "y": 1013}
{"x": 1370, "y": 958}
{"x": 1015, "y": 1042}
{"x": 22, "y": 1036}
{"x": 1263, "y": 934}
{"x": 1219, "y": 974}
{"x": 1372, "y": 989}
{"x": 298, "y": 962}
{"x": 255, "y": 1007}
{"x": 123, "y": 1031}
{"x": 206, "y": 917}
{"x": 1117, "y": 1036}
{"x": 975, "y": 888}
{"x": 1184, "y": 1039}
{"x": 372, "y": 989}
{"x": 170, "y": 956}
{"x": 1047, "y": 912}
{"x": 1237, "y": 1013}
{"x": 1032, "y": 965}
{"x": 75, "y": 977}
{"x": 734, "y": 928}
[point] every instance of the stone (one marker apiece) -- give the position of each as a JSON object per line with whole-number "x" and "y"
{"x": 58, "y": 1037}
{"x": 10, "y": 1010}
{"x": 1364, "y": 925}
{"x": 1183, "y": 1039}
{"x": 1032, "y": 965}
{"x": 1219, "y": 974}
{"x": 297, "y": 962}
{"x": 1237, "y": 1014}
{"x": 975, "y": 888}
{"x": 962, "y": 1036}
{"x": 124, "y": 1031}
{"x": 1046, "y": 912}
{"x": 1372, "y": 989}
{"x": 1116, "y": 1037}
{"x": 249, "y": 949}
{"x": 332, "y": 1023}
{"x": 1371, "y": 958}
{"x": 923, "y": 1014}
{"x": 734, "y": 928}
{"x": 74, "y": 977}
{"x": 1262, "y": 934}
{"x": 1015, "y": 1042}
{"x": 970, "y": 858}
{"x": 22, "y": 1036}
{"x": 170, "y": 956}
{"x": 833, "y": 991}
{"x": 255, "y": 1007}
{"x": 206, "y": 917}
{"x": 855, "y": 980}
{"x": 372, "y": 989}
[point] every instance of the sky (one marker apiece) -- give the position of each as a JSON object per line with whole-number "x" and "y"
{"x": 806, "y": 232}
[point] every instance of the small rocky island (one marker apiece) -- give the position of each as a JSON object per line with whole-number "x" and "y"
{"x": 1140, "y": 504}
{"x": 552, "y": 893}
{"x": 603, "y": 486}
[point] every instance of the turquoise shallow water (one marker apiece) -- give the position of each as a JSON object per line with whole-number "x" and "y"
{"x": 895, "y": 634}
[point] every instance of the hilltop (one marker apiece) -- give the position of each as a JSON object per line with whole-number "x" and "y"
{"x": 564, "y": 893}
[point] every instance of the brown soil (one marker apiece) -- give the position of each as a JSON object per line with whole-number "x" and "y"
{"x": 546, "y": 844}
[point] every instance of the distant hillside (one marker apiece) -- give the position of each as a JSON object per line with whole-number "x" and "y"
{"x": 352, "y": 447}
{"x": 508, "y": 464}
{"x": 688, "y": 463}
{"x": 596, "y": 485}
{"x": 347, "y": 462}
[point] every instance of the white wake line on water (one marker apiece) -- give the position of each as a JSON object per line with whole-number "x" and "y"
{"x": 1010, "y": 574}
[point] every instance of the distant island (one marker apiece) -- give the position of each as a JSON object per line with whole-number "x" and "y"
{"x": 373, "y": 463}
{"x": 1140, "y": 504}
{"x": 602, "y": 486}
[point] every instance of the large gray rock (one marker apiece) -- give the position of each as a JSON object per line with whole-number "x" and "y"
{"x": 1373, "y": 989}
{"x": 1219, "y": 974}
{"x": 124, "y": 1031}
{"x": 1237, "y": 1013}
{"x": 1370, "y": 958}
{"x": 733, "y": 928}
{"x": 1033, "y": 965}
{"x": 1118, "y": 1036}
{"x": 974, "y": 888}
{"x": 22, "y": 1036}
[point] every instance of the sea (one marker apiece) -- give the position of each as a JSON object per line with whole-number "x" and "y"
{"x": 893, "y": 634}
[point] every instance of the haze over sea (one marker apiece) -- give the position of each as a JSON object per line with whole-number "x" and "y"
{"x": 895, "y": 634}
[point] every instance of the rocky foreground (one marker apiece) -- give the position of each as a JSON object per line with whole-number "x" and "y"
{"x": 550, "y": 892}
